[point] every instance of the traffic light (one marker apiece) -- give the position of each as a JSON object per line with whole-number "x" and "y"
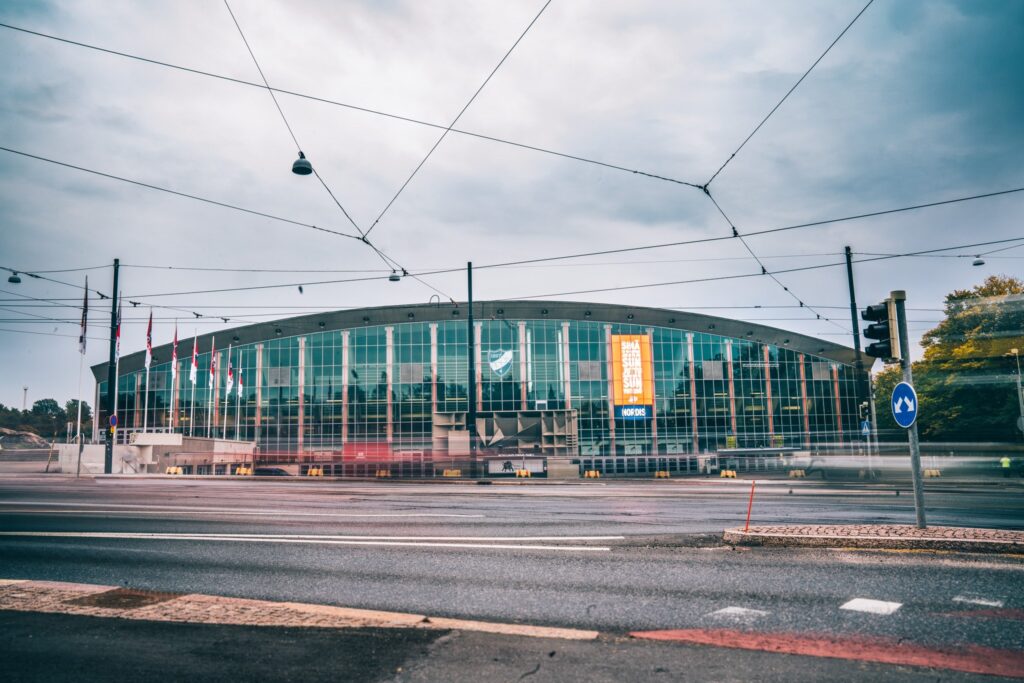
{"x": 883, "y": 328}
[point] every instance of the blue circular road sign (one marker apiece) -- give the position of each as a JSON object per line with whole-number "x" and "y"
{"x": 113, "y": 420}
{"x": 904, "y": 405}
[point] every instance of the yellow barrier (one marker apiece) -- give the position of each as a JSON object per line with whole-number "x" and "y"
{"x": 592, "y": 474}
{"x": 453, "y": 473}
{"x": 662, "y": 474}
{"x": 244, "y": 471}
{"x": 728, "y": 474}
{"x": 523, "y": 473}
{"x": 797, "y": 474}
{"x": 932, "y": 473}
{"x": 383, "y": 474}
{"x": 315, "y": 472}
{"x": 174, "y": 470}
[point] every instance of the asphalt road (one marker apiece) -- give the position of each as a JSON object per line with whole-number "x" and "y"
{"x": 615, "y": 557}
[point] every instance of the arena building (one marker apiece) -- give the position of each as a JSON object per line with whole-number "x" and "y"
{"x": 551, "y": 379}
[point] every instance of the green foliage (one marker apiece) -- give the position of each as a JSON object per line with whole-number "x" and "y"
{"x": 46, "y": 418}
{"x": 966, "y": 382}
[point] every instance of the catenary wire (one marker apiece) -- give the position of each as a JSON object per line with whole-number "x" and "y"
{"x": 764, "y": 269}
{"x": 388, "y": 261}
{"x": 457, "y": 117}
{"x": 562, "y": 257}
{"x": 731, "y": 277}
{"x": 788, "y": 93}
{"x": 186, "y": 195}
{"x": 407, "y": 119}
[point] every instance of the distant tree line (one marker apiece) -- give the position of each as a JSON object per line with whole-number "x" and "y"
{"x": 47, "y": 418}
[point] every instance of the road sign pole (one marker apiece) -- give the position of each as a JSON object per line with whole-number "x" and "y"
{"x": 108, "y": 449}
{"x": 900, "y": 297}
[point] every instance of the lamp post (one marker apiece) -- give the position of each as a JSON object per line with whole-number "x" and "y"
{"x": 471, "y": 349}
{"x": 1020, "y": 396}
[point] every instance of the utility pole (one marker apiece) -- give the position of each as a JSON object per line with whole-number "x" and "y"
{"x": 471, "y": 389}
{"x": 108, "y": 452}
{"x": 863, "y": 386}
{"x": 900, "y": 299}
{"x": 24, "y": 398}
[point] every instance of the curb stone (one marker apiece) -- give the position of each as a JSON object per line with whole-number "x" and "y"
{"x": 880, "y": 537}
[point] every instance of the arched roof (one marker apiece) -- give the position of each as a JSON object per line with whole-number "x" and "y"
{"x": 486, "y": 310}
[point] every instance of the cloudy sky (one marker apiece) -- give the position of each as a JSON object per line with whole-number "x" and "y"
{"x": 918, "y": 102}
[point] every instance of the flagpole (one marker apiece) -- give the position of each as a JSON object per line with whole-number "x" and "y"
{"x": 227, "y": 399}
{"x": 238, "y": 399}
{"x": 81, "y": 362}
{"x": 192, "y": 407}
{"x": 117, "y": 363}
{"x": 174, "y": 383}
{"x": 78, "y": 472}
{"x": 209, "y": 402}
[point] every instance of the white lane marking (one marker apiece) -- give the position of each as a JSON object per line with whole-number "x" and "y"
{"x": 984, "y": 602}
{"x": 184, "y": 510}
{"x": 738, "y": 613}
{"x": 292, "y": 539}
{"x": 234, "y": 513}
{"x": 871, "y": 606}
{"x": 325, "y": 537}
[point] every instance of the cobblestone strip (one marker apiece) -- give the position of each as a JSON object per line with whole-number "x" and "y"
{"x": 882, "y": 536}
{"x": 65, "y": 598}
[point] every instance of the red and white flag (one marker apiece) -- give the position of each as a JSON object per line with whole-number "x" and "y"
{"x": 231, "y": 375}
{"x": 85, "y": 317}
{"x": 174, "y": 356}
{"x": 239, "y": 382}
{"x": 213, "y": 360}
{"x": 193, "y": 373}
{"x": 117, "y": 334}
{"x": 149, "y": 340}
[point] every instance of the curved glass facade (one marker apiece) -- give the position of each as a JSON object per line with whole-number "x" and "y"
{"x": 402, "y": 386}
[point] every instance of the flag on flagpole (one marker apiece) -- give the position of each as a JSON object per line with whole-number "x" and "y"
{"x": 213, "y": 361}
{"x": 174, "y": 356}
{"x": 117, "y": 334}
{"x": 231, "y": 376}
{"x": 149, "y": 340}
{"x": 239, "y": 382}
{"x": 194, "y": 371}
{"x": 85, "y": 317}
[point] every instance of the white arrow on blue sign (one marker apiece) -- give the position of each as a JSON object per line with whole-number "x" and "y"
{"x": 904, "y": 405}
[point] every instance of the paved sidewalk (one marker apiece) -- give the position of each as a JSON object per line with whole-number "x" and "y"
{"x": 126, "y": 603}
{"x": 881, "y": 536}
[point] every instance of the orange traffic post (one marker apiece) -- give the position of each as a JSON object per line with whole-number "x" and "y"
{"x": 750, "y": 505}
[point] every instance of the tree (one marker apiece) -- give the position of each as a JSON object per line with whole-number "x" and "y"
{"x": 71, "y": 410}
{"x": 964, "y": 383}
{"x": 47, "y": 407}
{"x": 47, "y": 418}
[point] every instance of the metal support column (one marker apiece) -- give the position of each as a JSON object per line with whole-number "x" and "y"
{"x": 108, "y": 451}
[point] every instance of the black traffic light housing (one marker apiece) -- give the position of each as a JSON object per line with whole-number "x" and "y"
{"x": 884, "y": 328}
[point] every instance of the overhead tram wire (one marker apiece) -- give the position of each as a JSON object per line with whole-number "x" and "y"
{"x": 764, "y": 269}
{"x": 742, "y": 276}
{"x": 460, "y": 269}
{"x": 49, "y": 334}
{"x": 751, "y": 233}
{"x": 457, "y": 117}
{"x": 707, "y": 192}
{"x": 545, "y": 259}
{"x": 345, "y": 105}
{"x": 133, "y": 301}
{"x": 788, "y": 93}
{"x": 388, "y": 261}
{"x": 641, "y": 286}
{"x": 185, "y": 195}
